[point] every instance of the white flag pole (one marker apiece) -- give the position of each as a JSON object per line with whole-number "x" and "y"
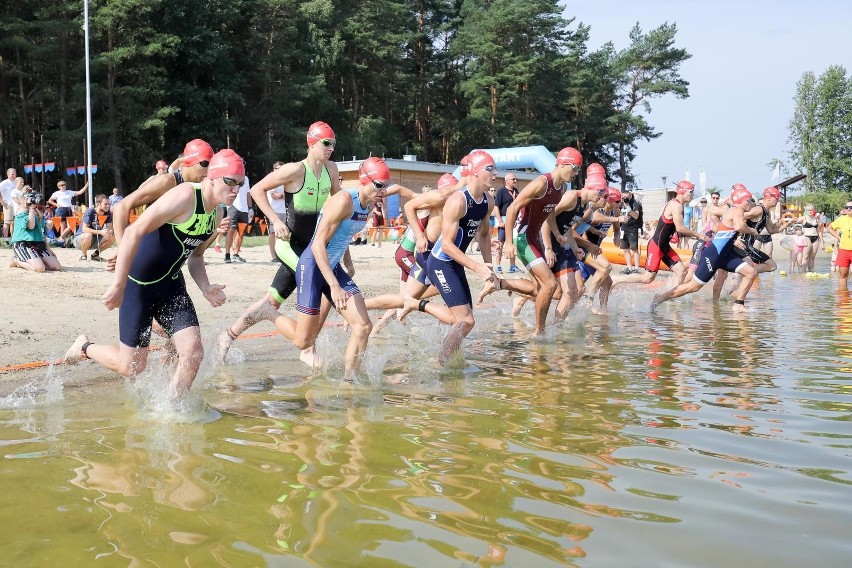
{"x": 88, "y": 103}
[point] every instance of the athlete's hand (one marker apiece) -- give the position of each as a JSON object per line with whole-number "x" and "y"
{"x": 339, "y": 297}
{"x": 485, "y": 271}
{"x": 595, "y": 252}
{"x": 549, "y": 257}
{"x": 578, "y": 252}
{"x": 508, "y": 249}
{"x": 281, "y": 230}
{"x": 113, "y": 296}
{"x": 224, "y": 226}
{"x": 110, "y": 263}
{"x": 561, "y": 239}
{"x": 422, "y": 244}
{"x": 622, "y": 219}
{"x": 214, "y": 294}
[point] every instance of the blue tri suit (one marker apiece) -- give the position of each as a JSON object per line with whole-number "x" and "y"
{"x": 446, "y": 274}
{"x": 311, "y": 284}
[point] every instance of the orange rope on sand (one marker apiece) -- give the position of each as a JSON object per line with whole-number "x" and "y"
{"x": 38, "y": 364}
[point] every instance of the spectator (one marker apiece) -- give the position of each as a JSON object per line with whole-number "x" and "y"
{"x": 278, "y": 203}
{"x": 632, "y": 209}
{"x": 239, "y": 212}
{"x": 114, "y": 198}
{"x": 841, "y": 229}
{"x": 62, "y": 201}
{"x": 6, "y": 187}
{"x": 812, "y": 228}
{"x": 378, "y": 218}
{"x": 31, "y": 252}
{"x": 95, "y": 234}
{"x": 503, "y": 198}
{"x": 798, "y": 261}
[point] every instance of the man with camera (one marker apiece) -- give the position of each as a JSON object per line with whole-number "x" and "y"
{"x": 31, "y": 252}
{"x": 95, "y": 232}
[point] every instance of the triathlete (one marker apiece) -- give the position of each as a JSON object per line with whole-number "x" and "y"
{"x": 719, "y": 254}
{"x": 148, "y": 280}
{"x": 307, "y": 185}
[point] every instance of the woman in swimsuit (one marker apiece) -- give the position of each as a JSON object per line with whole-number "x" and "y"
{"x": 812, "y": 228}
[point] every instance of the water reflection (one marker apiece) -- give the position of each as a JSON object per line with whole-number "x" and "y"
{"x": 622, "y": 437}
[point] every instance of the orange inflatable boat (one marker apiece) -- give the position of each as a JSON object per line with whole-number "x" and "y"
{"x": 615, "y": 256}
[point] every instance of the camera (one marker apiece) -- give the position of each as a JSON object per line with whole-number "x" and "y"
{"x": 33, "y": 198}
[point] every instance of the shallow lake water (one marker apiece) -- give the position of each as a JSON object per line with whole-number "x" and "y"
{"x": 685, "y": 437}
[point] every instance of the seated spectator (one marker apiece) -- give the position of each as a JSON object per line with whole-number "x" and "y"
{"x": 95, "y": 234}
{"x": 31, "y": 252}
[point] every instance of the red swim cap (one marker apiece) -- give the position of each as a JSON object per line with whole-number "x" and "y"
{"x": 771, "y": 192}
{"x": 447, "y": 180}
{"x": 319, "y": 131}
{"x": 684, "y": 187}
{"x": 196, "y": 151}
{"x": 478, "y": 160}
{"x": 569, "y": 155}
{"x": 613, "y": 195}
{"x": 373, "y": 169}
{"x": 464, "y": 163}
{"x": 740, "y": 194}
{"x": 161, "y": 164}
{"x": 226, "y": 163}
{"x": 737, "y": 186}
{"x": 596, "y": 183}
{"x": 595, "y": 169}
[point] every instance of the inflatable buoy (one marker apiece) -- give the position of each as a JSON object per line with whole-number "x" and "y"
{"x": 829, "y": 249}
{"x": 783, "y": 273}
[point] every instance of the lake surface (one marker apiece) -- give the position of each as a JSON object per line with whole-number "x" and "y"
{"x": 686, "y": 437}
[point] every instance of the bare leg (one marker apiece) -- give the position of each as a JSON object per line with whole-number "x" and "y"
{"x": 190, "y": 353}
{"x": 676, "y": 292}
{"x": 264, "y": 309}
{"x": 462, "y": 325}
{"x": 358, "y": 317}
{"x": 719, "y": 284}
{"x": 568, "y": 283}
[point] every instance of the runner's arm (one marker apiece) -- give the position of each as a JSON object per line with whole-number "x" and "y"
{"x": 151, "y": 189}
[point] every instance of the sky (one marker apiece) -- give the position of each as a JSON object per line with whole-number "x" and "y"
{"x": 747, "y": 57}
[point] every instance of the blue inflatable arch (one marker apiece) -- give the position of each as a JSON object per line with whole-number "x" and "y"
{"x": 523, "y": 157}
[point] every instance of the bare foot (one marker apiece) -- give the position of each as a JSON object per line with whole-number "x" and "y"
{"x": 382, "y": 322}
{"x": 517, "y": 305}
{"x": 13, "y": 263}
{"x": 738, "y": 308}
{"x": 489, "y": 288}
{"x": 225, "y": 341}
{"x": 409, "y": 304}
{"x": 310, "y": 358}
{"x": 656, "y": 302}
{"x": 75, "y": 352}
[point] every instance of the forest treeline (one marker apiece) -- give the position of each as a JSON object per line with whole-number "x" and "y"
{"x": 434, "y": 78}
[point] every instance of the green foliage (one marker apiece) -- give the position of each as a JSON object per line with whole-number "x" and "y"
{"x": 829, "y": 202}
{"x": 648, "y": 68}
{"x": 431, "y": 77}
{"x": 821, "y": 130}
